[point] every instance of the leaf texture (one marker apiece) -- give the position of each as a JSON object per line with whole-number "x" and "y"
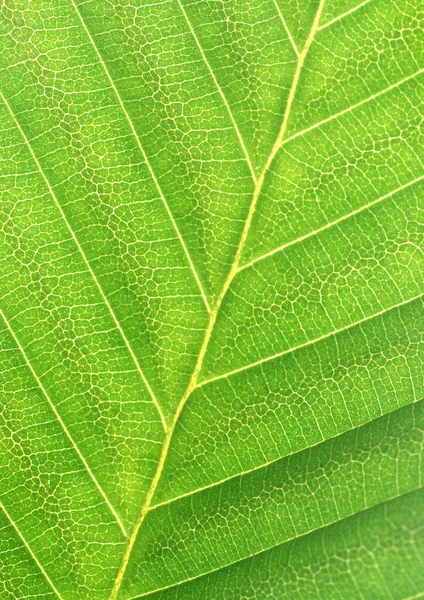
{"x": 211, "y": 315}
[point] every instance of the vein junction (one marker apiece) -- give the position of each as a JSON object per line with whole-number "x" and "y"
{"x": 215, "y": 310}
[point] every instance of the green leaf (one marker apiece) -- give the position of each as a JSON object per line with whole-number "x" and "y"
{"x": 211, "y": 314}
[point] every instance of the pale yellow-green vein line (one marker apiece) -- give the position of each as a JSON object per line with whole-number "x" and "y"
{"x": 353, "y": 107}
{"x": 330, "y": 334}
{"x": 263, "y": 465}
{"x": 315, "y": 232}
{"x": 214, "y": 313}
{"x": 287, "y": 30}
{"x": 145, "y": 157}
{"x": 87, "y": 264}
{"x": 62, "y": 423}
{"x": 27, "y": 546}
{"x": 345, "y": 14}
{"x": 325, "y": 527}
{"x": 221, "y": 93}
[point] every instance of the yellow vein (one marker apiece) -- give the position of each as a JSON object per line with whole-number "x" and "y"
{"x": 213, "y": 315}
{"x": 263, "y": 465}
{"x": 62, "y": 424}
{"x": 333, "y": 223}
{"x": 277, "y": 143}
{"x": 88, "y": 266}
{"x": 267, "y": 464}
{"x": 146, "y": 160}
{"x": 309, "y": 342}
{"x": 280, "y": 14}
{"x": 334, "y": 521}
{"x": 221, "y": 93}
{"x": 353, "y": 107}
{"x": 345, "y": 14}
{"x": 27, "y": 546}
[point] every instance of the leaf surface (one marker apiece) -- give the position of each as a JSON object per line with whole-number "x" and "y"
{"x": 211, "y": 316}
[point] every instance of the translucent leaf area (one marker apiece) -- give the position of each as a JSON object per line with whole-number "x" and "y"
{"x": 211, "y": 313}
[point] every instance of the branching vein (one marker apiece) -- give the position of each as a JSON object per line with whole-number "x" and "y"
{"x": 87, "y": 264}
{"x": 276, "y": 545}
{"x": 309, "y": 342}
{"x": 333, "y": 223}
{"x": 62, "y": 424}
{"x": 146, "y": 160}
{"x": 280, "y": 14}
{"x": 345, "y": 14}
{"x": 27, "y": 546}
{"x": 221, "y": 93}
{"x": 193, "y": 383}
{"x": 353, "y": 107}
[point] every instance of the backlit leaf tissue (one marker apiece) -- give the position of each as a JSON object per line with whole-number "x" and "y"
{"x": 211, "y": 316}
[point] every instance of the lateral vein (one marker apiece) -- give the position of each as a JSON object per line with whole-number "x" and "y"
{"x": 353, "y": 107}
{"x": 333, "y": 223}
{"x": 62, "y": 424}
{"x": 280, "y": 14}
{"x": 345, "y": 14}
{"x": 264, "y": 465}
{"x": 27, "y": 546}
{"x": 215, "y": 310}
{"x": 88, "y": 266}
{"x": 145, "y": 157}
{"x": 221, "y": 93}
{"x": 309, "y": 342}
{"x": 335, "y": 521}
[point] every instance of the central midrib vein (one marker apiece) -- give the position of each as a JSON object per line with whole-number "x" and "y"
{"x": 215, "y": 310}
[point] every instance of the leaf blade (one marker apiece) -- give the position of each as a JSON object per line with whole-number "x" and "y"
{"x": 260, "y": 162}
{"x": 285, "y": 500}
{"x": 330, "y": 563}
